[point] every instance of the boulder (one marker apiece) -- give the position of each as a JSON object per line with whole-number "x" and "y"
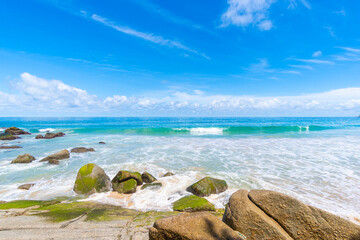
{"x": 7, "y": 136}
{"x": 50, "y": 135}
{"x": 147, "y": 177}
{"x": 152, "y": 186}
{"x": 168, "y": 174}
{"x": 123, "y": 176}
{"x": 302, "y": 221}
{"x": 207, "y": 186}
{"x": 91, "y": 179}
{"x": 54, "y": 162}
{"x": 243, "y": 215}
{"x": 192, "y": 226}
{"x": 15, "y": 131}
{"x": 63, "y": 154}
{"x": 26, "y": 186}
{"x": 126, "y": 187}
{"x": 193, "y": 203}
{"x": 26, "y": 158}
{"x": 9, "y": 147}
{"x": 39, "y": 136}
{"x": 82, "y": 150}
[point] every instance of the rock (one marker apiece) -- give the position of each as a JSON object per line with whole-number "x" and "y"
{"x": 26, "y": 186}
{"x": 54, "y": 162}
{"x": 9, "y": 147}
{"x": 63, "y": 154}
{"x": 126, "y": 187}
{"x": 39, "y": 136}
{"x": 193, "y": 203}
{"x": 147, "y": 177}
{"x": 82, "y": 150}
{"x": 101, "y": 142}
{"x": 123, "y": 176}
{"x": 153, "y": 186}
{"x": 50, "y": 135}
{"x": 91, "y": 179}
{"x": 26, "y": 158}
{"x": 302, "y": 221}
{"x": 168, "y": 174}
{"x": 7, "y": 136}
{"x": 15, "y": 131}
{"x": 192, "y": 226}
{"x": 243, "y": 215}
{"x": 207, "y": 186}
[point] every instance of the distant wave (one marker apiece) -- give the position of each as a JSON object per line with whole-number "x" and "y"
{"x": 233, "y": 130}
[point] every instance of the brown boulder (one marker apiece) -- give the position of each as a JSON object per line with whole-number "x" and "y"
{"x": 168, "y": 174}
{"x": 82, "y": 150}
{"x": 15, "y": 131}
{"x": 39, "y": 136}
{"x": 9, "y": 147}
{"x": 26, "y": 158}
{"x": 63, "y": 154}
{"x": 302, "y": 221}
{"x": 50, "y": 135}
{"x": 26, "y": 186}
{"x": 192, "y": 226}
{"x": 244, "y": 216}
{"x": 7, "y": 136}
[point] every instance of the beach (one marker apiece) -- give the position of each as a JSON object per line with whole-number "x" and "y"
{"x": 314, "y": 160}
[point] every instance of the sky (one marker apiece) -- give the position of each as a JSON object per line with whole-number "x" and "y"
{"x": 240, "y": 58}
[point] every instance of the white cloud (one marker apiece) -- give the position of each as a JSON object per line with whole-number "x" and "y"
{"x": 317, "y": 54}
{"x": 37, "y": 96}
{"x": 302, "y": 66}
{"x": 146, "y": 36}
{"x": 246, "y": 12}
{"x": 317, "y": 61}
{"x": 330, "y": 31}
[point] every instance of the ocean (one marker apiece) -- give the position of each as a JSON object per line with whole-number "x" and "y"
{"x": 316, "y": 160}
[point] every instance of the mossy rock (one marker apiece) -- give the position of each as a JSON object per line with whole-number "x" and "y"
{"x": 123, "y": 176}
{"x": 15, "y": 131}
{"x": 168, "y": 174}
{"x": 91, "y": 179}
{"x": 147, "y": 177}
{"x": 7, "y": 136}
{"x": 26, "y": 204}
{"x": 153, "y": 186}
{"x": 192, "y": 204}
{"x": 26, "y": 158}
{"x": 126, "y": 187}
{"x": 207, "y": 186}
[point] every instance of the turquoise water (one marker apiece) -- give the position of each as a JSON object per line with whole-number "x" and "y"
{"x": 316, "y": 160}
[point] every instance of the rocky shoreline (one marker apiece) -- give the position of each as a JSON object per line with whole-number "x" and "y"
{"x": 258, "y": 214}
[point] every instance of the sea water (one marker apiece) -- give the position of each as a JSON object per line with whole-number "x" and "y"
{"x": 316, "y": 160}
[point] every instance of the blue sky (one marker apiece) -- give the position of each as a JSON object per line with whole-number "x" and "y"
{"x": 179, "y": 58}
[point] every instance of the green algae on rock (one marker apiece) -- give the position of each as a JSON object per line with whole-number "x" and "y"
{"x": 122, "y": 176}
{"x": 153, "y": 185}
{"x": 91, "y": 179}
{"x": 147, "y": 177}
{"x": 26, "y": 204}
{"x": 193, "y": 203}
{"x": 7, "y": 136}
{"x": 26, "y": 158}
{"x": 168, "y": 174}
{"x": 207, "y": 186}
{"x": 126, "y": 187}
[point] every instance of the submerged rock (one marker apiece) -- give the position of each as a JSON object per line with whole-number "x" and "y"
{"x": 9, "y": 147}
{"x": 15, "y": 131}
{"x": 26, "y": 186}
{"x": 153, "y": 185}
{"x": 147, "y": 177}
{"x": 50, "y": 135}
{"x": 101, "y": 142}
{"x": 168, "y": 174}
{"x": 63, "y": 154}
{"x": 126, "y": 187}
{"x": 82, "y": 150}
{"x": 192, "y": 226}
{"x": 54, "y": 162}
{"x": 26, "y": 158}
{"x": 7, "y": 136}
{"x": 207, "y": 186}
{"x": 91, "y": 179}
{"x": 122, "y": 176}
{"x": 192, "y": 204}
{"x": 262, "y": 214}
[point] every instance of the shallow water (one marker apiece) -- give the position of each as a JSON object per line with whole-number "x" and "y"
{"x": 316, "y": 160}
